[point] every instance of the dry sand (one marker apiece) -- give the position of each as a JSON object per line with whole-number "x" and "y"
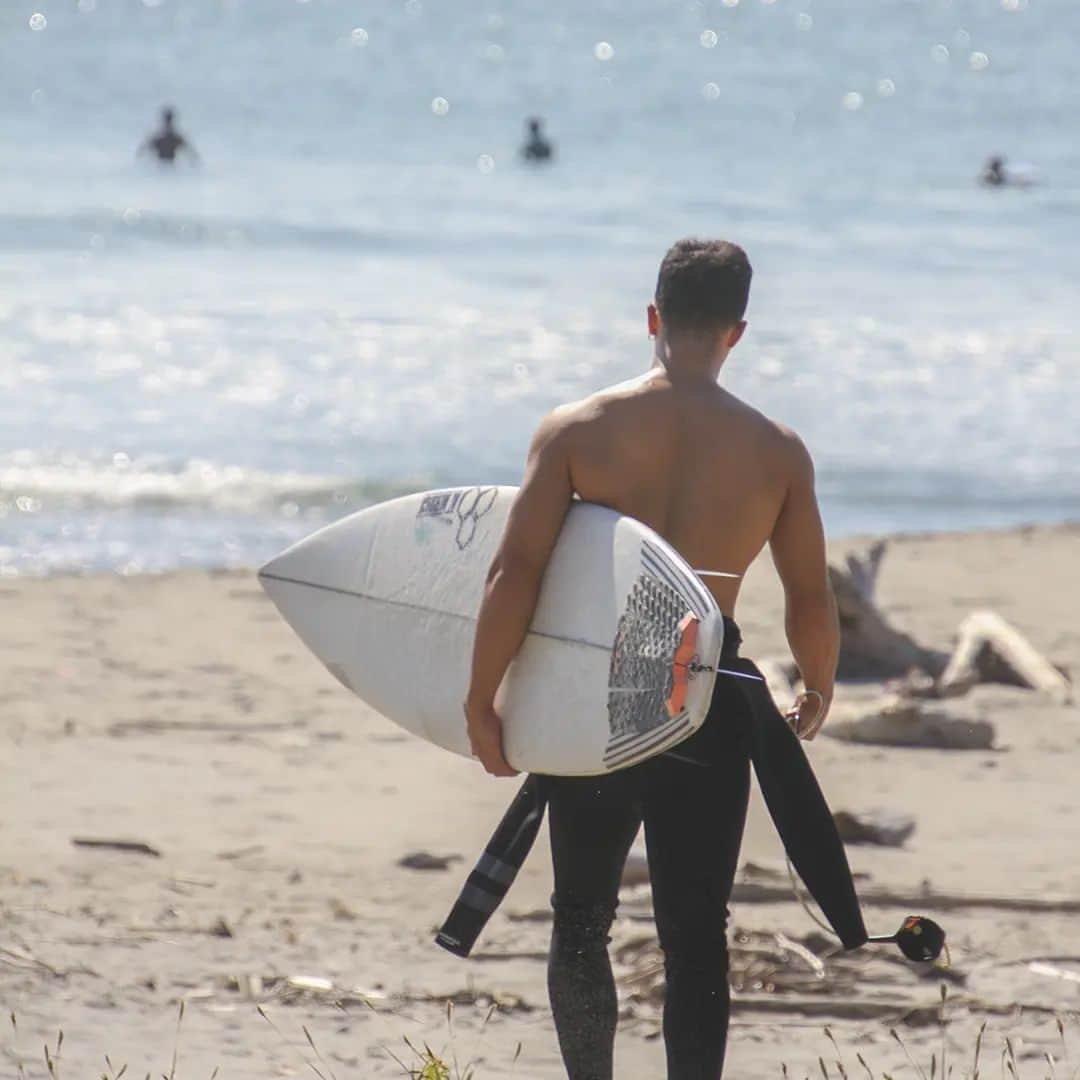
{"x": 180, "y": 711}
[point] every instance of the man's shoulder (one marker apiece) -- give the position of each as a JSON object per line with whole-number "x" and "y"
{"x": 768, "y": 427}
{"x": 781, "y": 443}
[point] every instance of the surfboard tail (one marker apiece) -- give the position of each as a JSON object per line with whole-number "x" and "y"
{"x": 800, "y": 813}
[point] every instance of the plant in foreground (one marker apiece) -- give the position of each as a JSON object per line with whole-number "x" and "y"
{"x": 52, "y": 1056}
{"x": 941, "y": 1066}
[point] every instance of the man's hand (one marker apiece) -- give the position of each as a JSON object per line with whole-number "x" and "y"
{"x": 485, "y": 737}
{"x": 807, "y": 715}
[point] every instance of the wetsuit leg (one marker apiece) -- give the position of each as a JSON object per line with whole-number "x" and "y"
{"x": 695, "y": 804}
{"x": 593, "y": 822}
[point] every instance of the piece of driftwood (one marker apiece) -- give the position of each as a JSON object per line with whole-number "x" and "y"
{"x": 152, "y": 725}
{"x": 870, "y": 647}
{"x": 881, "y": 827}
{"x": 746, "y": 892}
{"x": 989, "y": 649}
{"x": 910, "y": 722}
{"x": 136, "y": 847}
{"x": 22, "y": 960}
{"x": 870, "y": 896}
{"x": 425, "y": 860}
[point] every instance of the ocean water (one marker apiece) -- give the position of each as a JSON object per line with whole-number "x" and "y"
{"x": 363, "y": 291}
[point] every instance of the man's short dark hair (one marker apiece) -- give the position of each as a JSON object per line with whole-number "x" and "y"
{"x": 703, "y": 286}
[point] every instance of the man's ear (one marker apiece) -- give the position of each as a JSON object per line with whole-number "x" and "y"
{"x": 654, "y": 320}
{"x": 735, "y": 334}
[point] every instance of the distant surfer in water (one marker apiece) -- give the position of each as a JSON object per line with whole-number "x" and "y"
{"x": 993, "y": 173}
{"x": 996, "y": 173}
{"x": 537, "y": 147}
{"x": 719, "y": 481}
{"x": 167, "y": 143}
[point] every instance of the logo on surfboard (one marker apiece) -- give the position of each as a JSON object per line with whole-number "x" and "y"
{"x": 460, "y": 507}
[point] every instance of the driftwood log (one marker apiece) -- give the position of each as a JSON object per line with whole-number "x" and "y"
{"x": 870, "y": 647}
{"x": 895, "y": 720}
{"x": 989, "y": 649}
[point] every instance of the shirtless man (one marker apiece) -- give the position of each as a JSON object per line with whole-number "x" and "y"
{"x": 718, "y": 480}
{"x": 167, "y": 143}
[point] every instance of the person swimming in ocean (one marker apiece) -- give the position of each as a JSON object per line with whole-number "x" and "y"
{"x": 719, "y": 481}
{"x": 1021, "y": 175}
{"x": 993, "y": 173}
{"x": 537, "y": 147}
{"x": 166, "y": 143}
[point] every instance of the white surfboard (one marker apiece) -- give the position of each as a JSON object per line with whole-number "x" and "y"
{"x": 619, "y": 663}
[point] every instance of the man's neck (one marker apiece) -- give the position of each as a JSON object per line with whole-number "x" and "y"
{"x": 689, "y": 365}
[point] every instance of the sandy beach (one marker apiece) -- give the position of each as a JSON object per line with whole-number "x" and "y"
{"x": 179, "y": 711}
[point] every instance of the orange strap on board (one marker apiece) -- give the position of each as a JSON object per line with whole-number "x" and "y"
{"x": 685, "y": 652}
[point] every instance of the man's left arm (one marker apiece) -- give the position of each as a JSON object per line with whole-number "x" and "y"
{"x": 513, "y": 585}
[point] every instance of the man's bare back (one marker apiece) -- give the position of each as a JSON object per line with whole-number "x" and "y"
{"x": 709, "y": 473}
{"x": 673, "y": 449}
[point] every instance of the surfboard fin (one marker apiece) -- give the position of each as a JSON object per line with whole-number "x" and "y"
{"x": 685, "y": 654}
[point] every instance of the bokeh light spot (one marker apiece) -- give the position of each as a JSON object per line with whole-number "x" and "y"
{"x": 38, "y": 21}
{"x": 709, "y": 38}
{"x": 440, "y": 106}
{"x": 603, "y": 50}
{"x": 853, "y": 100}
{"x": 804, "y": 20}
{"x": 710, "y": 91}
{"x": 359, "y": 37}
{"x": 886, "y": 87}
{"x": 485, "y": 163}
{"x": 978, "y": 61}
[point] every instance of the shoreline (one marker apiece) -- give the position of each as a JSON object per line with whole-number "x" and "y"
{"x": 841, "y": 540}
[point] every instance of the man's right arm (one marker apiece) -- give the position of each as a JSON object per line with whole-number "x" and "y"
{"x": 798, "y": 551}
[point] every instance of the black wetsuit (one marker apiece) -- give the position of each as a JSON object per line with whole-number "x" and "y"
{"x": 692, "y": 802}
